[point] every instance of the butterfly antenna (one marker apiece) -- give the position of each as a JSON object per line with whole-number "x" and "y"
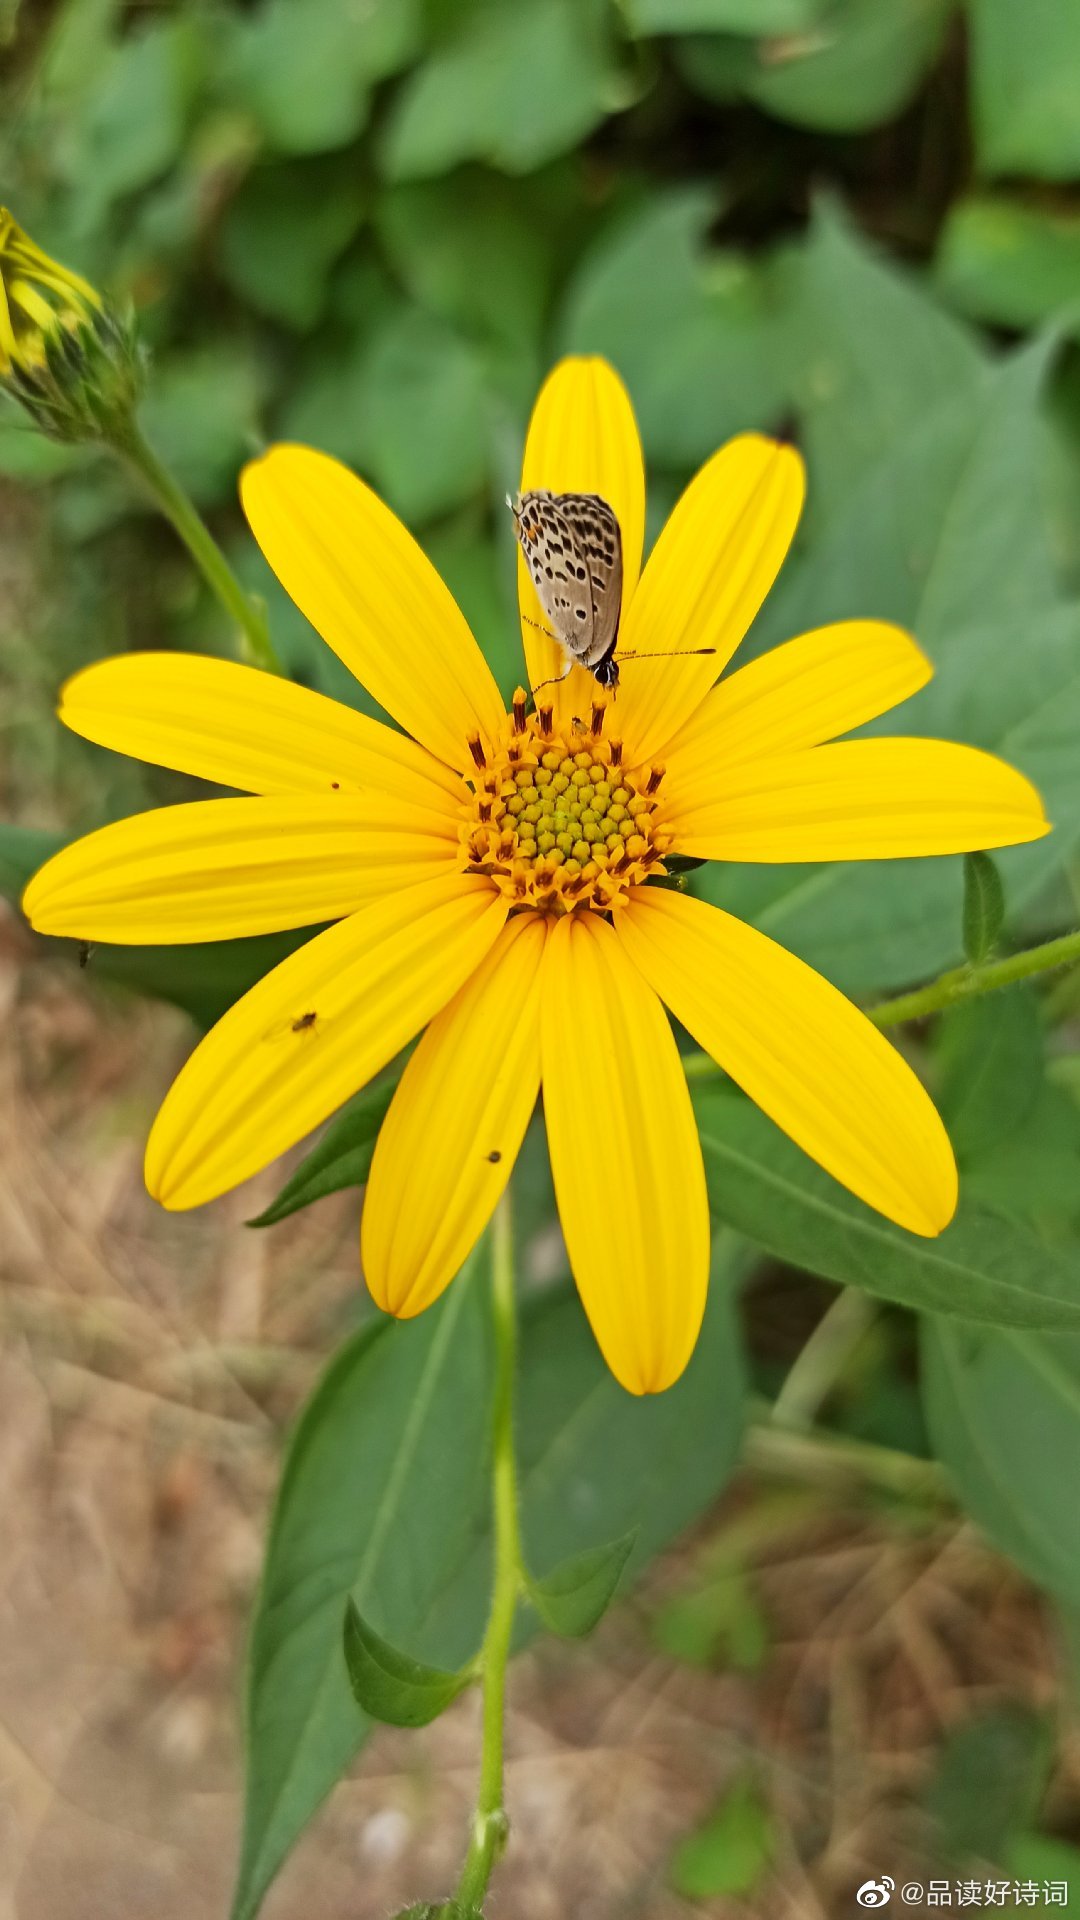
{"x": 676, "y": 653}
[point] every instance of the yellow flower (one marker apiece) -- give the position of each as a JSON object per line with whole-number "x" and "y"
{"x": 472, "y": 899}
{"x": 71, "y": 359}
{"x": 38, "y": 298}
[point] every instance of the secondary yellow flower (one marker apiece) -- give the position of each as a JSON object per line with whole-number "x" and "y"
{"x": 69, "y": 357}
{"x": 38, "y": 298}
{"x": 489, "y": 876}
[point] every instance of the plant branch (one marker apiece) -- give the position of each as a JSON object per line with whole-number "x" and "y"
{"x": 961, "y": 983}
{"x": 490, "y": 1825}
{"x": 215, "y": 569}
{"x": 821, "y": 1360}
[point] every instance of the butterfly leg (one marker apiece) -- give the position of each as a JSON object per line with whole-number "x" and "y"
{"x": 556, "y": 679}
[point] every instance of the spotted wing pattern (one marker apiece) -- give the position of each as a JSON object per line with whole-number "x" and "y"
{"x": 573, "y": 550}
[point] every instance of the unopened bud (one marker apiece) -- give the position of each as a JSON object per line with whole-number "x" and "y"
{"x": 69, "y": 357}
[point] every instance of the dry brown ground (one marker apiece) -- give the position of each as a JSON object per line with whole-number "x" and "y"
{"x": 148, "y": 1365}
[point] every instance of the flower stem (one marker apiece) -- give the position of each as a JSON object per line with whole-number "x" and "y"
{"x": 968, "y": 983}
{"x": 822, "y": 1359}
{"x": 962, "y": 983}
{"x": 490, "y": 1825}
{"x": 130, "y": 443}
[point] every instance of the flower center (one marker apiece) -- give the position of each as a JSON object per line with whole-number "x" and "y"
{"x": 555, "y": 819}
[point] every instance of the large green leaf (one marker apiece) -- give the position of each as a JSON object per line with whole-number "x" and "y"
{"x": 512, "y": 85}
{"x": 384, "y": 1496}
{"x": 382, "y": 1477}
{"x": 992, "y": 1068}
{"x": 693, "y": 333}
{"x": 410, "y": 409}
{"x": 1010, "y": 264}
{"x": 283, "y": 232}
{"x": 202, "y": 415}
{"x": 1003, "y": 1407}
{"x": 304, "y": 68}
{"x": 946, "y": 534}
{"x": 855, "y": 67}
{"x": 979, "y": 1268}
{"x": 467, "y": 249}
{"x": 871, "y": 354}
{"x": 859, "y": 69}
{"x": 128, "y": 124}
{"x": 1026, "y": 86}
{"x": 751, "y": 17}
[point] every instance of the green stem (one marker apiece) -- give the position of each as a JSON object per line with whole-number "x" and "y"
{"x": 822, "y": 1359}
{"x": 490, "y": 1826}
{"x": 969, "y": 983}
{"x": 204, "y": 550}
{"x": 962, "y": 983}
{"x": 828, "y": 1459}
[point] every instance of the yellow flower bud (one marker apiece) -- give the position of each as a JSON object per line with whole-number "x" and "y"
{"x": 66, "y": 355}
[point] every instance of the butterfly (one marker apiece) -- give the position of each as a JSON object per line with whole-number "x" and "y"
{"x": 573, "y": 549}
{"x": 572, "y": 544}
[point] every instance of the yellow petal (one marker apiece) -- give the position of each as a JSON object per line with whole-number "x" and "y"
{"x": 242, "y": 728}
{"x": 456, "y": 1122}
{"x": 360, "y": 578}
{"x": 810, "y": 1059}
{"x": 862, "y": 800}
{"x": 582, "y": 438}
{"x": 707, "y": 576}
{"x": 809, "y": 690}
{"x": 219, "y": 869}
{"x": 269, "y": 1071}
{"x": 624, "y": 1154}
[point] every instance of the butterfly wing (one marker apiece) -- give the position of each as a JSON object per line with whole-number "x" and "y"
{"x": 598, "y": 548}
{"x": 557, "y": 570}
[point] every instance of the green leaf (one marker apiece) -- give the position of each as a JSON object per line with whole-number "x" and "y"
{"x": 380, "y": 1486}
{"x": 1025, "y": 65}
{"x": 989, "y": 1780}
{"x": 946, "y": 535}
{"x": 984, "y": 907}
{"x": 283, "y": 232}
{"x": 341, "y": 1159}
{"x": 467, "y": 249}
{"x": 575, "y": 1596}
{"x": 730, "y": 1853}
{"x": 753, "y": 17}
{"x": 980, "y": 1267}
{"x": 129, "y": 124}
{"x": 404, "y": 1528}
{"x": 992, "y": 1064}
{"x": 859, "y": 68}
{"x": 1042, "y": 1856}
{"x": 389, "y": 1685}
{"x": 304, "y": 68}
{"x": 202, "y": 416}
{"x": 1003, "y": 1409}
{"x": 651, "y": 279}
{"x": 411, "y": 410}
{"x": 1006, "y": 263}
{"x": 871, "y": 355}
{"x": 511, "y": 85}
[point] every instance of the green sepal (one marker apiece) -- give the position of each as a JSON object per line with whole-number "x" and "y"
{"x": 390, "y": 1685}
{"x": 984, "y": 907}
{"x": 574, "y": 1597}
{"x": 341, "y": 1159}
